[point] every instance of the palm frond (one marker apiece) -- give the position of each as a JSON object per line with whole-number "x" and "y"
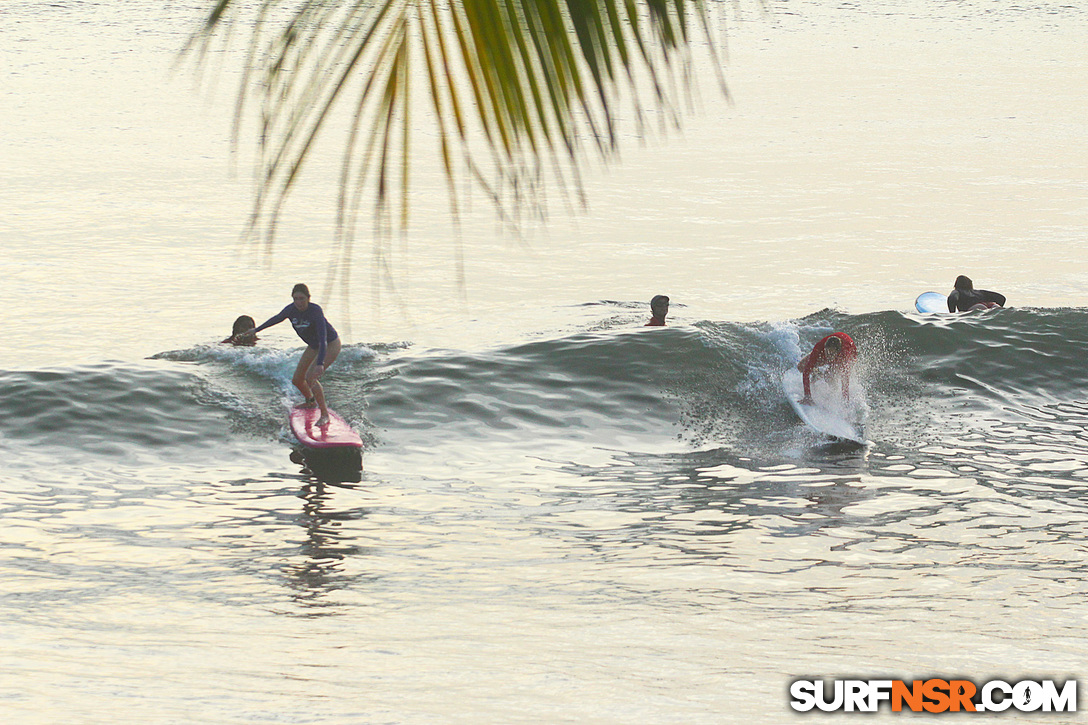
{"x": 516, "y": 87}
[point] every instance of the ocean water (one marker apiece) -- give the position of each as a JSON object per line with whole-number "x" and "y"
{"x": 563, "y": 516}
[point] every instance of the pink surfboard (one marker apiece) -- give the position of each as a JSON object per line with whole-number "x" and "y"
{"x": 337, "y": 434}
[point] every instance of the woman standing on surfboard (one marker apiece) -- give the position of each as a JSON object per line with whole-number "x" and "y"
{"x": 837, "y": 353}
{"x": 322, "y": 346}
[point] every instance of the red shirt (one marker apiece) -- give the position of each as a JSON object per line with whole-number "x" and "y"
{"x": 655, "y": 322}
{"x": 841, "y": 364}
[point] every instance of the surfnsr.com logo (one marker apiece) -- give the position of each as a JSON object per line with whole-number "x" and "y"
{"x": 933, "y": 695}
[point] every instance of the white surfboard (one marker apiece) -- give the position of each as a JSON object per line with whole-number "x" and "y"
{"x": 820, "y": 415}
{"x": 931, "y": 302}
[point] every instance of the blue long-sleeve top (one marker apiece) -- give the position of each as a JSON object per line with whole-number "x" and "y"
{"x": 310, "y": 325}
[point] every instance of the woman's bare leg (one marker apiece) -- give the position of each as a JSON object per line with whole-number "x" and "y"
{"x": 319, "y": 396}
{"x": 332, "y": 350}
{"x": 299, "y": 379}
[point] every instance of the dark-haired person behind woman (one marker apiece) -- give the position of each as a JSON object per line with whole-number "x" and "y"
{"x": 323, "y": 345}
{"x": 965, "y": 297}
{"x": 240, "y": 332}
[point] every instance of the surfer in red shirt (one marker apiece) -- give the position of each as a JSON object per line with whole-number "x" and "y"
{"x": 832, "y": 356}
{"x": 659, "y": 307}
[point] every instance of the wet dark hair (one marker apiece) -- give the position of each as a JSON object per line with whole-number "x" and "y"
{"x": 244, "y": 323}
{"x": 658, "y": 300}
{"x": 300, "y": 288}
{"x": 964, "y": 283}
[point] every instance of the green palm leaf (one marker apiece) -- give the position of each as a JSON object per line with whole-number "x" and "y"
{"x": 517, "y": 88}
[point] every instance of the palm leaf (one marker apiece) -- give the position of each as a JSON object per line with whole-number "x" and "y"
{"x": 515, "y": 87}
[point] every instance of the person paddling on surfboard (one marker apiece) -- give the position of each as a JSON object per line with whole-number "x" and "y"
{"x": 832, "y": 356}
{"x": 659, "y": 307}
{"x": 323, "y": 345}
{"x": 965, "y": 297}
